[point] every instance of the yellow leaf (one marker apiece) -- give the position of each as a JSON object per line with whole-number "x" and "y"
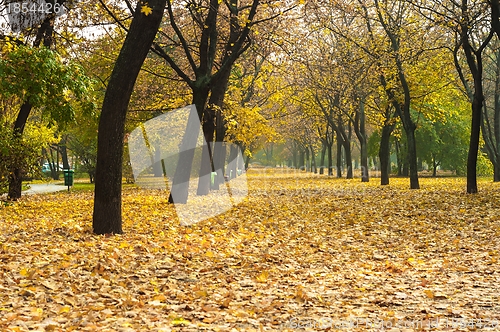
{"x": 201, "y": 293}
{"x": 146, "y": 10}
{"x": 179, "y": 321}
{"x": 429, "y": 293}
{"x": 65, "y": 309}
{"x": 160, "y": 297}
{"x": 263, "y": 276}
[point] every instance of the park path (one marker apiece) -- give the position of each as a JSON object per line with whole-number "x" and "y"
{"x": 44, "y": 188}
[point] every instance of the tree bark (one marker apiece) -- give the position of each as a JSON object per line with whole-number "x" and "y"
{"x": 385, "y": 153}
{"x": 330, "y": 158}
{"x": 348, "y": 158}
{"x": 340, "y": 143}
{"x": 313, "y": 160}
{"x": 107, "y": 218}
{"x": 360, "y": 130}
{"x": 322, "y": 160}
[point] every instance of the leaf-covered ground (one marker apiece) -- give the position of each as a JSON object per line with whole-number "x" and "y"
{"x": 302, "y": 252}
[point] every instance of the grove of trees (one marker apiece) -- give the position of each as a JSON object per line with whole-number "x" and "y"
{"x": 343, "y": 88}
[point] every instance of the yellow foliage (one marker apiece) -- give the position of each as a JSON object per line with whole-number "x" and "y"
{"x": 298, "y": 241}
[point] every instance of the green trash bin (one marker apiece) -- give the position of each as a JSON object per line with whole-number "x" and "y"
{"x": 68, "y": 177}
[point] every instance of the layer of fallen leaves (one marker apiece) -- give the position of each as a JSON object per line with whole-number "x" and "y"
{"x": 302, "y": 252}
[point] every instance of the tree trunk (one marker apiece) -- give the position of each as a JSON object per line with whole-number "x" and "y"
{"x": 330, "y": 159}
{"x": 385, "y": 154}
{"x": 348, "y": 159}
{"x": 16, "y": 176}
{"x": 412, "y": 156}
{"x": 322, "y": 160}
{"x": 53, "y": 164}
{"x": 308, "y": 161}
{"x": 301, "y": 159}
{"x": 340, "y": 142}
{"x": 247, "y": 161}
{"x": 313, "y": 160}
{"x": 294, "y": 155}
{"x": 474, "y": 140}
{"x": 496, "y": 172}
{"x": 233, "y": 161}
{"x": 64, "y": 152}
{"x": 107, "y": 218}
{"x": 360, "y": 130}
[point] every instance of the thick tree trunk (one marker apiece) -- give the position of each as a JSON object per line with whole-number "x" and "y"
{"x": 64, "y": 153}
{"x": 348, "y": 159}
{"x": 474, "y": 141}
{"x": 16, "y": 176}
{"x": 385, "y": 154}
{"x": 474, "y": 60}
{"x": 496, "y": 172}
{"x": 107, "y": 218}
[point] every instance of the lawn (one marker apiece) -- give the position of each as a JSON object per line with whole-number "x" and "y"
{"x": 301, "y": 252}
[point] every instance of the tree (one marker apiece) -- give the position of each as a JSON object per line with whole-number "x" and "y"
{"x": 40, "y": 80}
{"x": 107, "y": 202}
{"x": 472, "y": 25}
{"x": 444, "y": 143}
{"x": 224, "y": 29}
{"x": 490, "y": 124}
{"x": 18, "y": 152}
